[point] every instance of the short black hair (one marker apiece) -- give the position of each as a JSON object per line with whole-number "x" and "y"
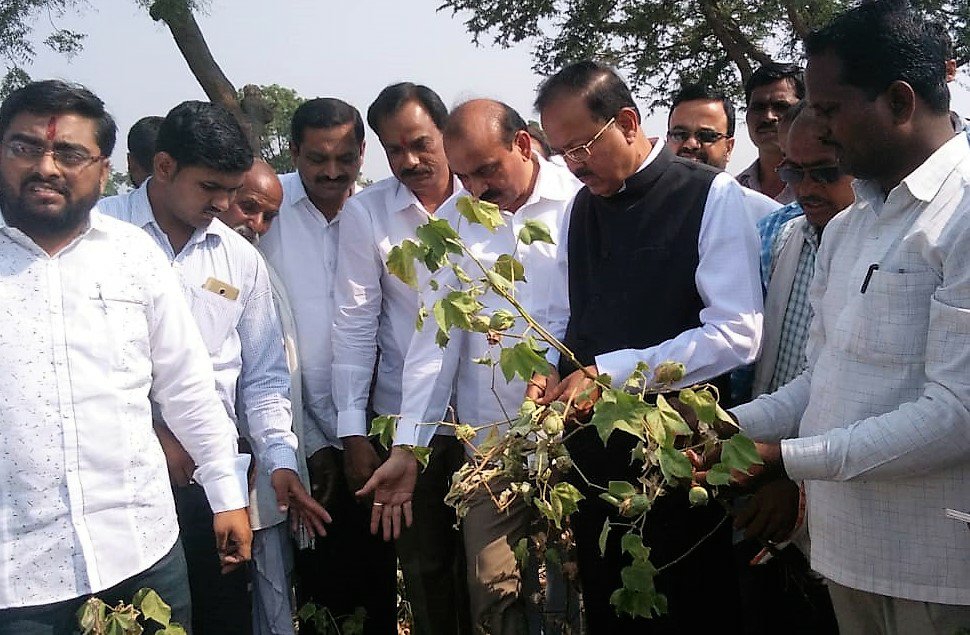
{"x": 324, "y": 112}
{"x": 141, "y": 140}
{"x": 52, "y": 97}
{"x": 200, "y": 133}
{"x": 884, "y": 41}
{"x": 394, "y": 97}
{"x": 601, "y": 86}
{"x": 773, "y": 72}
{"x": 700, "y": 92}
{"x": 510, "y": 123}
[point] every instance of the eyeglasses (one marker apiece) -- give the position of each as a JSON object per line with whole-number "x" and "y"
{"x": 581, "y": 154}
{"x": 67, "y": 158}
{"x": 825, "y": 175}
{"x": 704, "y": 136}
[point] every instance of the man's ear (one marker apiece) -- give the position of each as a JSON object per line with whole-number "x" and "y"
{"x": 729, "y": 142}
{"x": 164, "y": 165}
{"x": 523, "y": 143}
{"x": 105, "y": 174}
{"x": 901, "y": 99}
{"x": 628, "y": 121}
{"x": 294, "y": 151}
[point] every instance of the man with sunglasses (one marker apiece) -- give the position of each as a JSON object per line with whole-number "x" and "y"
{"x": 659, "y": 269}
{"x": 790, "y": 239}
{"x": 701, "y": 128}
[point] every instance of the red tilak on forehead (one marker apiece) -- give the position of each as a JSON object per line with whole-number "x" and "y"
{"x": 51, "y": 128}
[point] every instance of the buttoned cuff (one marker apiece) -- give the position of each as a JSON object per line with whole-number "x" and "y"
{"x": 412, "y": 432}
{"x": 352, "y": 423}
{"x": 226, "y": 483}
{"x": 619, "y": 365}
{"x": 806, "y": 458}
{"x": 754, "y": 421}
{"x": 280, "y": 457}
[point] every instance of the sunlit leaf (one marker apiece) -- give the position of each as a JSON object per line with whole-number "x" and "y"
{"x": 400, "y": 262}
{"x": 383, "y": 428}
{"x": 522, "y": 360}
{"x": 674, "y": 464}
{"x": 740, "y": 453}
{"x": 480, "y": 212}
{"x": 619, "y": 410}
{"x": 535, "y": 231}
{"x": 152, "y": 607}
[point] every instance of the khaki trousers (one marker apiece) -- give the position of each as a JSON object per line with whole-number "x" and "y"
{"x": 494, "y": 580}
{"x": 864, "y": 613}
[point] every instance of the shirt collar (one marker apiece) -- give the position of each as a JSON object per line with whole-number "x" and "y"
{"x": 658, "y": 145}
{"x": 400, "y": 197}
{"x": 926, "y": 180}
{"x": 293, "y": 189}
{"x": 143, "y": 216}
{"x": 548, "y": 186}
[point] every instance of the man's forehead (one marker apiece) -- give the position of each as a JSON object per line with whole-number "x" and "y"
{"x": 338, "y": 139}
{"x": 50, "y": 127}
{"x": 779, "y": 89}
{"x": 697, "y": 112}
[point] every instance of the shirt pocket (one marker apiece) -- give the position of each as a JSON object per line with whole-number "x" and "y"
{"x": 215, "y": 316}
{"x": 124, "y": 316}
{"x": 891, "y": 319}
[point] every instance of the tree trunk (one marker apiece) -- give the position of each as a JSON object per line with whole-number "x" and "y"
{"x": 739, "y": 49}
{"x": 190, "y": 41}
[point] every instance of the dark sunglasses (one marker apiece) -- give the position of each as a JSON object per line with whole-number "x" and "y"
{"x": 826, "y": 174}
{"x": 703, "y": 136}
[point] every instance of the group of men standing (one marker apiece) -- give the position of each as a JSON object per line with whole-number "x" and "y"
{"x": 144, "y": 333}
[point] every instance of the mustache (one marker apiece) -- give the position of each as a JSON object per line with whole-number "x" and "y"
{"x": 490, "y": 196}
{"x": 812, "y": 200}
{"x": 53, "y": 184}
{"x": 327, "y": 179}
{"x": 246, "y": 232}
{"x": 409, "y": 172}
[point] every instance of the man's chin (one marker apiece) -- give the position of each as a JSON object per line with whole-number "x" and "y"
{"x": 692, "y": 157}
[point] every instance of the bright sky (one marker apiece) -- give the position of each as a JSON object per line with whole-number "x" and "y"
{"x": 341, "y": 48}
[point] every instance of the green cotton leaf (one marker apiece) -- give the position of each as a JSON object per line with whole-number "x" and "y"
{"x": 480, "y": 212}
{"x": 90, "y": 614}
{"x": 152, "y": 607}
{"x": 719, "y": 474}
{"x": 461, "y": 275}
{"x": 702, "y": 402}
{"x": 439, "y": 239}
{"x": 630, "y": 602}
{"x": 674, "y": 465}
{"x": 501, "y": 320}
{"x": 545, "y": 508}
{"x": 535, "y": 231}
{"x": 619, "y": 410}
{"x": 722, "y": 415}
{"x": 654, "y": 424}
{"x": 739, "y": 453}
{"x": 499, "y": 282}
{"x": 174, "y": 628}
{"x": 306, "y": 611}
{"x": 441, "y": 338}
{"x": 383, "y": 427}
{"x": 633, "y": 544}
{"x": 604, "y": 535}
{"x": 422, "y": 455}
{"x": 456, "y": 309}
{"x": 509, "y": 268}
{"x": 621, "y": 489}
{"x": 564, "y": 499}
{"x": 672, "y": 420}
{"x": 400, "y": 262}
{"x": 523, "y": 360}
{"x": 638, "y": 577}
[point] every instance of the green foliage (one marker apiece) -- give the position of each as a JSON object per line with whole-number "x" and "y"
{"x": 523, "y": 458}
{"x": 275, "y": 141}
{"x": 326, "y": 623}
{"x": 118, "y": 183}
{"x": 383, "y": 428}
{"x": 660, "y": 45}
{"x": 94, "y": 617}
{"x": 480, "y": 212}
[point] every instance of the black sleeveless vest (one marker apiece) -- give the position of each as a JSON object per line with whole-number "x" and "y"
{"x": 632, "y": 260}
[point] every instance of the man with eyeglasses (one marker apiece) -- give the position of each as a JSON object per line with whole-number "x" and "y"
{"x": 790, "y": 238}
{"x": 659, "y": 269}
{"x": 769, "y": 93}
{"x": 94, "y": 322}
{"x": 701, "y": 128}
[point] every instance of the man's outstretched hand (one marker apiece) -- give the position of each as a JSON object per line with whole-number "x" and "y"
{"x": 392, "y": 487}
{"x": 578, "y": 388}
{"x": 290, "y": 496}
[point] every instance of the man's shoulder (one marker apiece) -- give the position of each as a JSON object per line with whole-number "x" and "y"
{"x": 230, "y": 241}
{"x": 117, "y": 206}
{"x": 293, "y": 189}
{"x": 372, "y": 197}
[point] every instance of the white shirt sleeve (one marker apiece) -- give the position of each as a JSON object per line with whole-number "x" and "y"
{"x": 184, "y": 388}
{"x": 264, "y": 379}
{"x": 729, "y": 283}
{"x": 558, "y": 310}
{"x": 357, "y": 310}
{"x": 427, "y": 366}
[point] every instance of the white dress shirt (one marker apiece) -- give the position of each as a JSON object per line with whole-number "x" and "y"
{"x": 88, "y": 334}
{"x": 301, "y": 247}
{"x": 728, "y": 280}
{"x": 375, "y": 311}
{"x": 879, "y": 425}
{"x": 430, "y": 371}
{"x": 757, "y": 204}
{"x": 242, "y": 335}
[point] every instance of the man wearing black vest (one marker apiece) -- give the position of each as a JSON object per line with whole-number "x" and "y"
{"x": 659, "y": 269}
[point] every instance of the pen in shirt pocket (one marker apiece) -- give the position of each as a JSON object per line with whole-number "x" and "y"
{"x": 865, "y": 283}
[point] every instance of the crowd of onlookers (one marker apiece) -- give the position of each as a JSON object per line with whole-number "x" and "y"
{"x": 191, "y": 368}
